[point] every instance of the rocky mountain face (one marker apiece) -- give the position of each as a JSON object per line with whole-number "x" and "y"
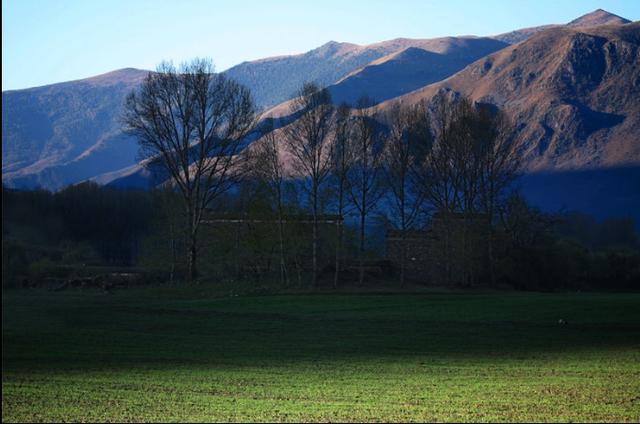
{"x": 572, "y": 94}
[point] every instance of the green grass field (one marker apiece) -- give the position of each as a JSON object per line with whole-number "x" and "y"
{"x": 178, "y": 356}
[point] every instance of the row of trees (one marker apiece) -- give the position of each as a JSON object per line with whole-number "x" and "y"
{"x": 111, "y": 221}
{"x": 88, "y": 230}
{"x": 449, "y": 156}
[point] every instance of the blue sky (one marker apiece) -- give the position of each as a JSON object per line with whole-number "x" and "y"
{"x": 47, "y": 41}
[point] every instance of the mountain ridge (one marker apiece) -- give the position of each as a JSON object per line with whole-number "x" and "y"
{"x": 597, "y": 17}
{"x": 66, "y": 132}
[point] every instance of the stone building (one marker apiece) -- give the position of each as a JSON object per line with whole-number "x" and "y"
{"x": 452, "y": 250}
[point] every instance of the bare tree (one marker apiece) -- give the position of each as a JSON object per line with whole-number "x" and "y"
{"x": 173, "y": 218}
{"x": 438, "y": 180}
{"x": 499, "y": 167}
{"x": 308, "y": 141}
{"x": 465, "y": 165}
{"x": 266, "y": 164}
{"x": 190, "y": 121}
{"x": 407, "y": 144}
{"x": 486, "y": 163}
{"x": 364, "y": 183}
{"x": 524, "y": 225}
{"x": 342, "y": 159}
{"x": 472, "y": 163}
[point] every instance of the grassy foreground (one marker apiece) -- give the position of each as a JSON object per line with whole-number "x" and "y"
{"x": 149, "y": 356}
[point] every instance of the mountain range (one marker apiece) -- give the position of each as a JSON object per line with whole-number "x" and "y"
{"x": 570, "y": 89}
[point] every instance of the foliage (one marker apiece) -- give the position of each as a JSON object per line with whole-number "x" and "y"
{"x": 81, "y": 225}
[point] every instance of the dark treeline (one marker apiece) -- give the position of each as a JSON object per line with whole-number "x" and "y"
{"x": 556, "y": 251}
{"x": 80, "y": 225}
{"x": 52, "y": 234}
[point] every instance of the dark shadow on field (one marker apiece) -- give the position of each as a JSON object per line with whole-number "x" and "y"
{"x": 99, "y": 332}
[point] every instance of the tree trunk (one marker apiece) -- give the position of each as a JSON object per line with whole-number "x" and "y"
{"x": 403, "y": 258}
{"x": 172, "y": 236}
{"x": 299, "y": 269}
{"x": 464, "y": 249}
{"x": 361, "y": 249}
{"x": 283, "y": 268}
{"x": 193, "y": 271}
{"x": 403, "y": 241}
{"x": 315, "y": 251}
{"x": 490, "y": 258}
{"x": 336, "y": 275}
{"x": 490, "y": 211}
{"x": 237, "y": 255}
{"x": 173, "y": 259}
{"x": 339, "y": 231}
{"x": 314, "y": 277}
{"x": 447, "y": 251}
{"x": 492, "y": 275}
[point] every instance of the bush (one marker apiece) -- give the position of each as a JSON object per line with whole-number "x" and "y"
{"x": 45, "y": 268}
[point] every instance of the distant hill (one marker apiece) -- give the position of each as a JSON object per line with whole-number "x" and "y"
{"x": 276, "y": 79}
{"x": 60, "y": 134}
{"x": 602, "y": 193}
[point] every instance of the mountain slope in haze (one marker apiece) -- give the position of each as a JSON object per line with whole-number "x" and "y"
{"x": 62, "y": 133}
{"x": 275, "y": 80}
{"x": 412, "y": 68}
{"x": 597, "y": 17}
{"x": 571, "y": 92}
